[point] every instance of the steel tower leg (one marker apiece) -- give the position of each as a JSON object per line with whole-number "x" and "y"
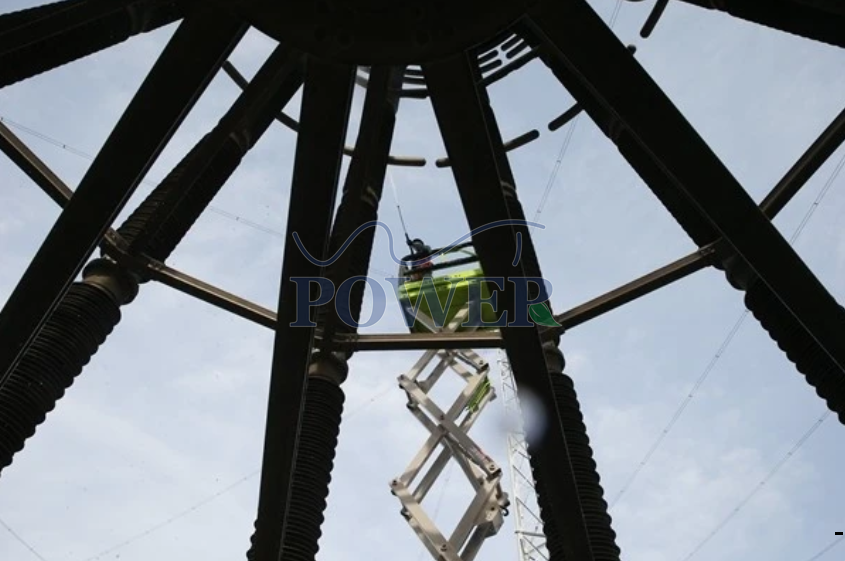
{"x": 484, "y": 515}
{"x": 90, "y": 310}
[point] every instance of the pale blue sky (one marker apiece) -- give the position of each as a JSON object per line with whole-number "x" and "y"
{"x": 171, "y": 410}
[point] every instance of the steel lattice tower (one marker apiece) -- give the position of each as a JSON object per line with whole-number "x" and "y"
{"x": 528, "y": 526}
{"x": 447, "y": 53}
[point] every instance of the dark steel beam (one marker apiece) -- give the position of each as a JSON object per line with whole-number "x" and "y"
{"x": 192, "y": 286}
{"x": 792, "y": 181}
{"x": 39, "y": 39}
{"x": 797, "y": 176}
{"x": 512, "y": 144}
{"x": 420, "y": 341}
{"x": 115, "y": 248}
{"x": 33, "y": 166}
{"x": 635, "y": 289}
{"x": 783, "y": 192}
{"x": 461, "y": 118}
{"x": 179, "y": 77}
{"x": 278, "y": 79}
{"x": 574, "y": 317}
{"x": 362, "y": 191}
{"x": 227, "y": 301}
{"x": 11, "y": 20}
{"x": 40, "y": 173}
{"x": 509, "y": 68}
{"x": 46, "y": 24}
{"x": 565, "y": 117}
{"x": 243, "y": 84}
{"x": 808, "y": 164}
{"x": 292, "y": 124}
{"x": 789, "y": 185}
{"x": 650, "y": 131}
{"x": 821, "y": 20}
{"x": 324, "y": 114}
{"x": 653, "y": 18}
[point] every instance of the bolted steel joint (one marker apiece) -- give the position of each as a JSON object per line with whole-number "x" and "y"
{"x": 330, "y": 366}
{"x": 555, "y": 362}
{"x": 737, "y": 271}
{"x": 120, "y": 283}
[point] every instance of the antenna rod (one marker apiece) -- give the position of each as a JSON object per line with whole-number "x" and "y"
{"x": 399, "y": 208}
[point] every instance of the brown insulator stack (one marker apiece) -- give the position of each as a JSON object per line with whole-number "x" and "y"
{"x": 590, "y": 493}
{"x": 165, "y": 239}
{"x": 324, "y": 397}
{"x": 312, "y": 474}
{"x": 579, "y": 454}
{"x": 70, "y": 337}
{"x": 809, "y": 358}
{"x": 90, "y": 309}
{"x": 315, "y": 458}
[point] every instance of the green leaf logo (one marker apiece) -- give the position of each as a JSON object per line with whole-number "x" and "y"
{"x": 541, "y": 315}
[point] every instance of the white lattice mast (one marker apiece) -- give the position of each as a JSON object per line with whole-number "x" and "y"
{"x": 531, "y": 541}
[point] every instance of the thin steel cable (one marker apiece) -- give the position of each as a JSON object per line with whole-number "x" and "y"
{"x": 446, "y": 480}
{"x": 439, "y": 502}
{"x": 725, "y": 343}
{"x": 201, "y": 503}
{"x": 828, "y": 184}
{"x": 730, "y": 516}
{"x": 830, "y": 546}
{"x": 224, "y": 213}
{"x": 618, "y": 8}
{"x": 174, "y": 518}
{"x": 360, "y": 408}
{"x": 20, "y": 540}
{"x": 90, "y": 157}
{"x": 680, "y": 410}
{"x": 569, "y": 133}
{"x": 556, "y": 168}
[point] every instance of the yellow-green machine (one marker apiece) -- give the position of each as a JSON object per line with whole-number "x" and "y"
{"x": 437, "y": 278}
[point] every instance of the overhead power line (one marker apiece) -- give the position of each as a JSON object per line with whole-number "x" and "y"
{"x": 202, "y": 502}
{"x": 175, "y": 517}
{"x": 682, "y": 407}
{"x": 564, "y": 148}
{"x": 556, "y": 168}
{"x": 439, "y": 502}
{"x": 725, "y": 343}
{"x": 217, "y": 210}
{"x": 762, "y": 483}
{"x": 20, "y": 540}
{"x": 829, "y": 547}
